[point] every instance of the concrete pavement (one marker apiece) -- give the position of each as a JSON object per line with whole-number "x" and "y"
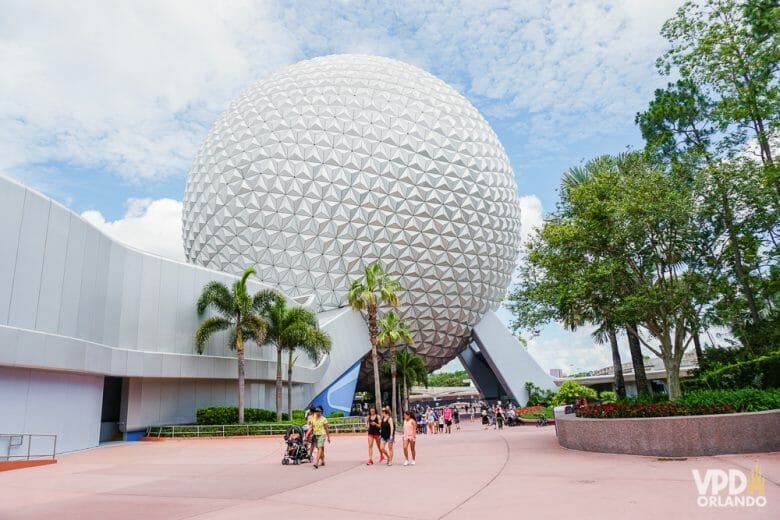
{"x": 513, "y": 473}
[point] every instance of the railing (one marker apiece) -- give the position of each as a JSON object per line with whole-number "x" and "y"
{"x": 337, "y": 425}
{"x": 19, "y": 446}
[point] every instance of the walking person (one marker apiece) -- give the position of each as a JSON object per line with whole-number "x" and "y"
{"x": 387, "y": 435}
{"x": 440, "y": 420}
{"x": 410, "y": 438}
{"x": 447, "y": 416}
{"x": 485, "y": 420}
{"x": 456, "y": 418}
{"x": 499, "y": 417}
{"x": 372, "y": 423}
{"x": 430, "y": 418}
{"x": 321, "y": 433}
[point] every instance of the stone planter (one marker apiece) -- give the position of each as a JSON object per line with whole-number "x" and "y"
{"x": 682, "y": 436}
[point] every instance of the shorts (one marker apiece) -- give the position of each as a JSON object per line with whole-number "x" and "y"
{"x": 389, "y": 440}
{"x": 374, "y": 436}
{"x": 319, "y": 441}
{"x": 448, "y": 422}
{"x": 410, "y": 439}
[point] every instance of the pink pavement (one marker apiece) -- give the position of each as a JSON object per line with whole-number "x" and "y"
{"x": 512, "y": 473}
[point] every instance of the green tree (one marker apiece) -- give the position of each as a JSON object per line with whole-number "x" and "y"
{"x": 313, "y": 342}
{"x": 727, "y": 101}
{"x": 289, "y": 328}
{"x": 730, "y": 50}
{"x": 392, "y": 331}
{"x": 235, "y": 309}
{"x": 412, "y": 371}
{"x": 366, "y": 295}
{"x": 618, "y": 251}
{"x": 456, "y": 378}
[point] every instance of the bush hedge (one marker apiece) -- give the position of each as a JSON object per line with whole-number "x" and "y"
{"x": 229, "y": 415}
{"x": 334, "y": 415}
{"x": 697, "y": 402}
{"x": 761, "y": 372}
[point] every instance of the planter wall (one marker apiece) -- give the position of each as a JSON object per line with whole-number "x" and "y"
{"x": 683, "y": 436}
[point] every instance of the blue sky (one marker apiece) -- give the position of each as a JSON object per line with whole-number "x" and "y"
{"x": 103, "y": 105}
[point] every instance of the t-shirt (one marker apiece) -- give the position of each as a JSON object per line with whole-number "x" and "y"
{"x": 447, "y": 414}
{"x": 319, "y": 425}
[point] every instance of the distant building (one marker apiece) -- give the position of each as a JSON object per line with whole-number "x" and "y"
{"x": 603, "y": 378}
{"x": 556, "y": 372}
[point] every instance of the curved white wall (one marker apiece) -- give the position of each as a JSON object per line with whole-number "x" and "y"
{"x": 72, "y": 299}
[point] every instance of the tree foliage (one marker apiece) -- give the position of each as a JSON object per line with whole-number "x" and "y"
{"x": 236, "y": 312}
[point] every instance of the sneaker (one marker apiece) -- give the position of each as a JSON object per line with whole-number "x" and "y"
{"x": 413, "y": 462}
{"x": 370, "y": 462}
{"x": 406, "y": 463}
{"x": 381, "y": 460}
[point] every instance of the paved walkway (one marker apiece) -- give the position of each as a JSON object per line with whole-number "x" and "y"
{"x": 512, "y": 473}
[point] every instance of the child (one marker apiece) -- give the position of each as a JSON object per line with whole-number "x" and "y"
{"x": 410, "y": 437}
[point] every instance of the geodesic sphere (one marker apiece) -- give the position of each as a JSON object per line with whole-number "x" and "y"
{"x": 337, "y": 162}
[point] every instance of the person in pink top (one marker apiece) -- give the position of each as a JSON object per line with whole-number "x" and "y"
{"x": 447, "y": 413}
{"x": 410, "y": 437}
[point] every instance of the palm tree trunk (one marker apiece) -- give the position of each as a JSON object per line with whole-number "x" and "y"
{"x": 289, "y": 385}
{"x": 620, "y": 383}
{"x": 394, "y": 377}
{"x": 278, "y": 383}
{"x": 241, "y": 370}
{"x": 406, "y": 394}
{"x": 640, "y": 376}
{"x": 372, "y": 332}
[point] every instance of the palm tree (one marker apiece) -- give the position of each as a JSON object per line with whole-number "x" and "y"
{"x": 570, "y": 180}
{"x": 314, "y": 343}
{"x": 288, "y": 329}
{"x": 412, "y": 370}
{"x": 392, "y": 331}
{"x": 236, "y": 312}
{"x": 365, "y": 295}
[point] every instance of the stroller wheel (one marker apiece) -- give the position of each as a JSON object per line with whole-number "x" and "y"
{"x": 285, "y": 461}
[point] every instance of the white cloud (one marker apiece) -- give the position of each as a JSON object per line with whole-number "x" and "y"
{"x": 531, "y": 216}
{"x": 148, "y": 225}
{"x": 132, "y": 88}
{"x": 576, "y": 351}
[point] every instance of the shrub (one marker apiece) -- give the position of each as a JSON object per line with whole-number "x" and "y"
{"x": 533, "y": 412}
{"x": 333, "y": 415}
{"x": 298, "y": 415}
{"x": 537, "y": 396}
{"x": 699, "y": 402}
{"x": 743, "y": 399}
{"x": 608, "y": 397}
{"x": 570, "y": 391}
{"x": 619, "y": 411}
{"x": 229, "y": 415}
{"x": 761, "y": 372}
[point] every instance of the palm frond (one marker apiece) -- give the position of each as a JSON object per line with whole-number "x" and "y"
{"x": 266, "y": 298}
{"x": 207, "y": 328}
{"x": 255, "y": 328}
{"x": 216, "y": 294}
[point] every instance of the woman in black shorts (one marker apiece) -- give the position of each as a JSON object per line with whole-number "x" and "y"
{"x": 387, "y": 435}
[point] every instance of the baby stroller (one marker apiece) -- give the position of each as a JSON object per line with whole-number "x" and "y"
{"x": 295, "y": 450}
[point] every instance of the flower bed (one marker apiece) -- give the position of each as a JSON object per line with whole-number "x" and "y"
{"x": 621, "y": 411}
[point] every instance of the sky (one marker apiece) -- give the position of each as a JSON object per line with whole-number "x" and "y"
{"x": 103, "y": 104}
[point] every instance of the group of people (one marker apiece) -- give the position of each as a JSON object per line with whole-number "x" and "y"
{"x": 381, "y": 433}
{"x": 496, "y": 415}
{"x": 432, "y": 421}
